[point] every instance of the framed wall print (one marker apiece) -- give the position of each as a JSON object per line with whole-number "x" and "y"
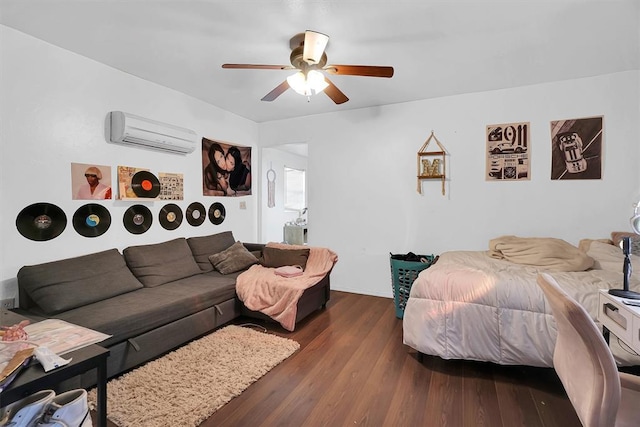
{"x": 576, "y": 148}
{"x": 507, "y": 152}
{"x": 171, "y": 186}
{"x": 90, "y": 181}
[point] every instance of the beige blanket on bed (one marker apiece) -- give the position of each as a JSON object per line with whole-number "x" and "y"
{"x": 547, "y": 252}
{"x": 260, "y": 289}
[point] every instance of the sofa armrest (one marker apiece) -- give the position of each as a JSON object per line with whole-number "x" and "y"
{"x": 254, "y": 247}
{"x": 24, "y": 300}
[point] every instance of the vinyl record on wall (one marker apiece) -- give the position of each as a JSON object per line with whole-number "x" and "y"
{"x": 145, "y": 184}
{"x": 196, "y": 214}
{"x": 137, "y": 219}
{"x": 41, "y": 221}
{"x": 170, "y": 216}
{"x": 216, "y": 213}
{"x": 91, "y": 220}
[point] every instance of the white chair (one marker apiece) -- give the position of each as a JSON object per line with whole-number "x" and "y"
{"x": 601, "y": 396}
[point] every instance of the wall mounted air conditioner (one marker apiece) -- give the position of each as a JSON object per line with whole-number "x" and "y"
{"x": 134, "y": 130}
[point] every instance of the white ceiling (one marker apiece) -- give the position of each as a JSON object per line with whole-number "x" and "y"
{"x": 437, "y": 48}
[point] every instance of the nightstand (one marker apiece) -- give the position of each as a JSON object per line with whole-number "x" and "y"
{"x": 620, "y": 319}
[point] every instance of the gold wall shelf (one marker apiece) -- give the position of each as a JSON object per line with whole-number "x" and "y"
{"x": 432, "y": 164}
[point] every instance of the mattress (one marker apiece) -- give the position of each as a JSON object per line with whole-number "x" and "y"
{"x": 472, "y": 306}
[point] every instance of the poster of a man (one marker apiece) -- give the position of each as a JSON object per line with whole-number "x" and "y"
{"x": 90, "y": 182}
{"x": 226, "y": 169}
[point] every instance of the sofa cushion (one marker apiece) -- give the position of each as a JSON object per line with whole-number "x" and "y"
{"x": 202, "y": 247}
{"x": 276, "y": 257}
{"x": 69, "y": 283}
{"x": 161, "y": 263}
{"x": 233, "y": 259}
{"x": 134, "y": 313}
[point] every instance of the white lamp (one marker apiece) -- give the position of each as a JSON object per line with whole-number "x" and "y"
{"x": 308, "y": 85}
{"x": 635, "y": 219}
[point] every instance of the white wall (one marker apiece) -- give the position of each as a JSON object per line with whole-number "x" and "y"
{"x": 364, "y": 202}
{"x": 273, "y": 219}
{"x": 637, "y": 146}
{"x": 53, "y": 109}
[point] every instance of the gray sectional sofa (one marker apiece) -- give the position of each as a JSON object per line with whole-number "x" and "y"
{"x": 149, "y": 298}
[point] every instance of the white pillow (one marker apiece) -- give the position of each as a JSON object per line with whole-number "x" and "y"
{"x": 609, "y": 257}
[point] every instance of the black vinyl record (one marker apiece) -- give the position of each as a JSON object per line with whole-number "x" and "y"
{"x": 217, "y": 213}
{"x": 196, "y": 214}
{"x": 91, "y": 220}
{"x": 170, "y": 216}
{"x": 145, "y": 184}
{"x": 137, "y": 219}
{"x": 41, "y": 221}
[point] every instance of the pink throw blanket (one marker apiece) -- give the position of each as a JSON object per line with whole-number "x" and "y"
{"x": 260, "y": 289}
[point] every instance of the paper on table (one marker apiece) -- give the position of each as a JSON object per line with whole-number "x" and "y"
{"x": 57, "y": 335}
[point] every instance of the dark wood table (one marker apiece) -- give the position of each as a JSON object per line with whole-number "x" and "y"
{"x": 34, "y": 378}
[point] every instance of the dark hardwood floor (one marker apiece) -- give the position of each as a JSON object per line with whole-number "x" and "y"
{"x": 353, "y": 370}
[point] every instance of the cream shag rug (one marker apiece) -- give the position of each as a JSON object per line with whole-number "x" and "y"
{"x": 186, "y": 386}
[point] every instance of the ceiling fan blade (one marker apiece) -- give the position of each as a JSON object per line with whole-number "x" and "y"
{"x": 314, "y": 45}
{"x": 258, "y": 67}
{"x": 279, "y": 90}
{"x": 360, "y": 70}
{"x": 334, "y": 93}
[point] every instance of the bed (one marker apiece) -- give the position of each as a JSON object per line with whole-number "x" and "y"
{"x": 479, "y": 305}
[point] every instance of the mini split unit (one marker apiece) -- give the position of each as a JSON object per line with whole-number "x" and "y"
{"x": 137, "y": 131}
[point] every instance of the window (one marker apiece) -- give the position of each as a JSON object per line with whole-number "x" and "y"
{"x": 295, "y": 195}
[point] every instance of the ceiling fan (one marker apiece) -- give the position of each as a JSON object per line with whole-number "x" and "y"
{"x": 308, "y": 56}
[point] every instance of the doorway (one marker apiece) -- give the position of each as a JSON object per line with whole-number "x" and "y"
{"x": 273, "y": 215}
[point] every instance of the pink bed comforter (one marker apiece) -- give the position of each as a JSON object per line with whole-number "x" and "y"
{"x": 260, "y": 289}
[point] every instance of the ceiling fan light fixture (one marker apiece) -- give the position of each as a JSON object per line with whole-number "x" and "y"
{"x": 311, "y": 84}
{"x": 308, "y": 56}
{"x": 314, "y": 46}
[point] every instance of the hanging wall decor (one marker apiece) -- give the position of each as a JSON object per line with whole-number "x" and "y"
{"x": 91, "y": 220}
{"x": 217, "y": 213}
{"x": 226, "y": 169}
{"x": 508, "y": 156}
{"x": 171, "y": 186}
{"x": 170, "y": 216}
{"x": 137, "y": 183}
{"x": 41, "y": 221}
{"x": 196, "y": 214}
{"x": 271, "y": 187}
{"x": 432, "y": 164}
{"x": 576, "y": 151}
{"x": 90, "y": 182}
{"x": 137, "y": 219}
